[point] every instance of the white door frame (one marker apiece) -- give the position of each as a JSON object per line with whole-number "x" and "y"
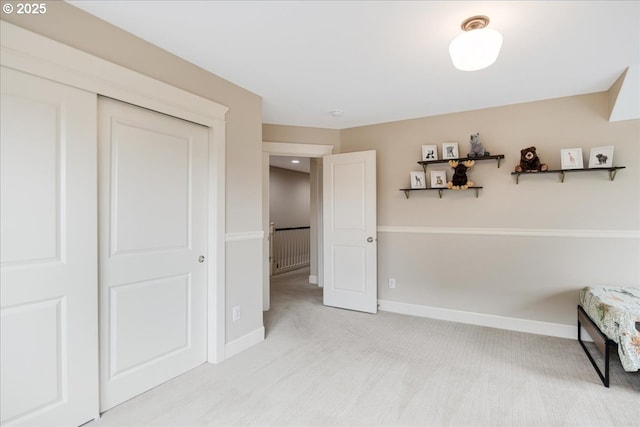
{"x": 293, "y": 149}
{"x": 25, "y": 51}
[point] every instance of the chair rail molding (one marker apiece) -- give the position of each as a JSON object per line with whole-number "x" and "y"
{"x": 244, "y": 235}
{"x": 527, "y": 232}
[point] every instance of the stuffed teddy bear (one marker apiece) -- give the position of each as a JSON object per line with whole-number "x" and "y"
{"x": 529, "y": 161}
{"x": 477, "y": 149}
{"x": 459, "y": 179}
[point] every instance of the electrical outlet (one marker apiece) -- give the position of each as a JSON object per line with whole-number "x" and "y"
{"x": 236, "y": 313}
{"x": 392, "y": 283}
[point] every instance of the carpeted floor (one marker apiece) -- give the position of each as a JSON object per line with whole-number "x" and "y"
{"x": 331, "y": 367}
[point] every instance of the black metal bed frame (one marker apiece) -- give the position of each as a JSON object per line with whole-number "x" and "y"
{"x": 601, "y": 340}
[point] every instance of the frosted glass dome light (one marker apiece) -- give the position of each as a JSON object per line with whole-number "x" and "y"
{"x": 476, "y": 48}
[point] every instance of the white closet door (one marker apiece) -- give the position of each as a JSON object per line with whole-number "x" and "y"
{"x": 153, "y": 237}
{"x": 49, "y": 345}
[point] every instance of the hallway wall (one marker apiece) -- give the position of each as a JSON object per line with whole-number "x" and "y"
{"x": 289, "y": 193}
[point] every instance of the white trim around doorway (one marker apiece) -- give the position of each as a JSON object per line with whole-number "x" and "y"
{"x": 296, "y": 149}
{"x": 288, "y": 149}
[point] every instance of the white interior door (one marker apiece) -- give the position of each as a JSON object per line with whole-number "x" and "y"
{"x": 350, "y": 244}
{"x": 153, "y": 240}
{"x": 49, "y": 346}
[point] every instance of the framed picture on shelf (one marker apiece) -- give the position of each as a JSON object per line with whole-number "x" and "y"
{"x": 601, "y": 157}
{"x": 418, "y": 180}
{"x": 438, "y": 179}
{"x": 571, "y": 158}
{"x": 429, "y": 152}
{"x": 450, "y": 150}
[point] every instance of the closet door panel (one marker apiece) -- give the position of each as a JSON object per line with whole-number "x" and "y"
{"x": 49, "y": 336}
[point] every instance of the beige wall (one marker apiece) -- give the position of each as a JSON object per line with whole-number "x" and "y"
{"x": 71, "y": 26}
{"x": 289, "y": 198}
{"x": 520, "y": 251}
{"x": 528, "y": 247}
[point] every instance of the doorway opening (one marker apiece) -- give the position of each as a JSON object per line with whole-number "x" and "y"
{"x": 285, "y": 152}
{"x": 290, "y": 214}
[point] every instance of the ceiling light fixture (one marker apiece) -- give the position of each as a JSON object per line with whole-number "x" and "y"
{"x": 336, "y": 113}
{"x": 476, "y": 48}
{"x": 295, "y": 161}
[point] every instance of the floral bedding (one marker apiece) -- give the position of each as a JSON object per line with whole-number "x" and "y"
{"x": 616, "y": 311}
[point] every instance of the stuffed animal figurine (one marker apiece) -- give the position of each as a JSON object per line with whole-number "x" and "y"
{"x": 477, "y": 149}
{"x": 459, "y": 179}
{"x": 602, "y": 159}
{"x": 529, "y": 161}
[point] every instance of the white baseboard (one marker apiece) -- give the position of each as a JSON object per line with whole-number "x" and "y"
{"x": 480, "y": 319}
{"x": 244, "y": 342}
{"x": 313, "y": 280}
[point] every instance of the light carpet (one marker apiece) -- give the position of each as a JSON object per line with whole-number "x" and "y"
{"x": 332, "y": 367}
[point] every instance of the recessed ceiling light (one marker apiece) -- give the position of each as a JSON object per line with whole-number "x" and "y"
{"x": 336, "y": 113}
{"x": 295, "y": 161}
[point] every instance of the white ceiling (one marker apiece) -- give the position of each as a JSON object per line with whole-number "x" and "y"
{"x": 381, "y": 61}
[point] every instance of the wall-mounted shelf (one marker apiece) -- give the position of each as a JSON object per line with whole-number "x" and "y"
{"x": 425, "y": 163}
{"x": 612, "y": 172}
{"x": 439, "y": 190}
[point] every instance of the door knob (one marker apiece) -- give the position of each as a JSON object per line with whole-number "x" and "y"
{"x": 370, "y": 239}
{"x": 201, "y": 259}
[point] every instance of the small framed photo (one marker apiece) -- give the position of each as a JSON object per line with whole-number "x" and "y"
{"x": 571, "y": 158}
{"x": 438, "y": 179}
{"x": 450, "y": 150}
{"x": 418, "y": 180}
{"x": 601, "y": 157}
{"x": 429, "y": 152}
